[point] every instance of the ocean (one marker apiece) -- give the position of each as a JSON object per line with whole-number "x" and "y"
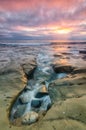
{"x": 22, "y": 49}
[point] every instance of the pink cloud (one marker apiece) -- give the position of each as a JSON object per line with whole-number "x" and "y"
{"x": 43, "y": 17}
{"x": 31, "y": 4}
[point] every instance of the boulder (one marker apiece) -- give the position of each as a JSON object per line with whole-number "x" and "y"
{"x": 29, "y": 118}
{"x": 63, "y": 69}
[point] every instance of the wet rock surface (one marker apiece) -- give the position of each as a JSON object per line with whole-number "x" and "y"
{"x": 34, "y": 97}
{"x": 30, "y": 118}
{"x": 63, "y": 69}
{"x": 29, "y": 70}
{"x": 79, "y": 70}
{"x": 82, "y": 52}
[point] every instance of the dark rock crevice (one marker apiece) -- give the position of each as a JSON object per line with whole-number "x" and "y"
{"x": 63, "y": 69}
{"x": 29, "y": 70}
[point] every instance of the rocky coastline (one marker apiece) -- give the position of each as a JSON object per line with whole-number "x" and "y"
{"x": 67, "y": 94}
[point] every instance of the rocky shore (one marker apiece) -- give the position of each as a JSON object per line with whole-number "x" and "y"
{"x": 68, "y": 94}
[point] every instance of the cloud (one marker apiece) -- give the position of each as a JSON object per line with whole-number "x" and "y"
{"x": 46, "y": 18}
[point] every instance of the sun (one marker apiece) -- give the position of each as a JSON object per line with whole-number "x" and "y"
{"x": 63, "y": 30}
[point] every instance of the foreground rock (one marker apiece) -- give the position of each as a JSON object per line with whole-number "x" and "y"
{"x": 69, "y": 109}
{"x": 30, "y": 118}
{"x": 29, "y": 103}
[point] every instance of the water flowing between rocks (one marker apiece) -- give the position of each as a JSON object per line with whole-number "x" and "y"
{"x": 35, "y": 98}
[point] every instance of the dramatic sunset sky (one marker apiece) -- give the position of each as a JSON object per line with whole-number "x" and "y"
{"x": 43, "y": 19}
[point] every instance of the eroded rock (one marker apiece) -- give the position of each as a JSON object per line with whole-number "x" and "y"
{"x": 29, "y": 118}
{"x": 29, "y": 69}
{"x": 36, "y": 100}
{"x": 63, "y": 69}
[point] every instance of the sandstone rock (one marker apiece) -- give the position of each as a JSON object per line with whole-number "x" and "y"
{"x": 43, "y": 89}
{"x": 79, "y": 70}
{"x": 30, "y": 118}
{"x": 63, "y": 69}
{"x": 29, "y": 69}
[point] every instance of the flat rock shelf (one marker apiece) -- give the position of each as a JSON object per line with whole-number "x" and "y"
{"x": 34, "y": 98}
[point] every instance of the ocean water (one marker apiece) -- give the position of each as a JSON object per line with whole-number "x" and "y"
{"x": 45, "y": 52}
{"x": 13, "y": 50}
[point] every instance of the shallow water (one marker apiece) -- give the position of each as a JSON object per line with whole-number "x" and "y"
{"x": 12, "y": 50}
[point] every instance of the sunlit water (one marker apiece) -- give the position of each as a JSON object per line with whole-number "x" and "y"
{"x": 46, "y": 54}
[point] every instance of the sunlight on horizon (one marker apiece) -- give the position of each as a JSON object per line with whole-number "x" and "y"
{"x": 64, "y": 31}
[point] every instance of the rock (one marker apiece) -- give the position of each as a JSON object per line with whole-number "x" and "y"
{"x": 30, "y": 118}
{"x": 41, "y": 95}
{"x": 82, "y": 52}
{"x": 42, "y": 92}
{"x": 84, "y": 57}
{"x": 43, "y": 89}
{"x": 63, "y": 69}
{"x": 66, "y": 53}
{"x": 57, "y": 55}
{"x": 36, "y": 103}
{"x": 79, "y": 70}
{"x": 29, "y": 69}
{"x": 27, "y": 104}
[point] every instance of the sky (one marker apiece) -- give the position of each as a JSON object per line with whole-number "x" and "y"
{"x": 43, "y": 19}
